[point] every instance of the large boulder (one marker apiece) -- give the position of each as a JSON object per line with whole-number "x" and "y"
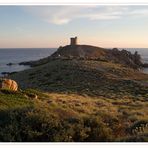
{"x": 8, "y": 84}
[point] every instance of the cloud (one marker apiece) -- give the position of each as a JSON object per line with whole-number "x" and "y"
{"x": 58, "y": 14}
{"x": 64, "y": 14}
{"x": 141, "y": 12}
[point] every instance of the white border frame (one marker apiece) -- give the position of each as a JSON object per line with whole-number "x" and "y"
{"x": 74, "y": 2}
{"x": 71, "y": 2}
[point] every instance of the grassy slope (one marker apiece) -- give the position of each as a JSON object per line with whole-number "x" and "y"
{"x": 75, "y": 90}
{"x": 117, "y": 116}
{"x": 12, "y": 100}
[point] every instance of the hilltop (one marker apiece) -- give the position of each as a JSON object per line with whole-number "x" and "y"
{"x": 101, "y": 54}
{"x": 87, "y": 52}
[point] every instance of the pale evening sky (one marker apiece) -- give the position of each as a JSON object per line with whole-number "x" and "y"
{"x": 52, "y": 26}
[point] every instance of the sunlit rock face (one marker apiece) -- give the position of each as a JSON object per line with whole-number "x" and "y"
{"x": 8, "y": 84}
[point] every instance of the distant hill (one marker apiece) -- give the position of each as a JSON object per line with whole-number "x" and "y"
{"x": 88, "y": 52}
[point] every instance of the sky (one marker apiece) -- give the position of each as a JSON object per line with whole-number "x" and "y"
{"x": 108, "y": 26}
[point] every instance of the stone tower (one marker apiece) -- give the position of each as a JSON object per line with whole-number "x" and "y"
{"x": 73, "y": 41}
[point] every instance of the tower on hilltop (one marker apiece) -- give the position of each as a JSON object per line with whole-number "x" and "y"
{"x": 74, "y": 41}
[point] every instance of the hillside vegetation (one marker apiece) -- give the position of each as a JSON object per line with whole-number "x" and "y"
{"x": 77, "y": 100}
{"x": 71, "y": 117}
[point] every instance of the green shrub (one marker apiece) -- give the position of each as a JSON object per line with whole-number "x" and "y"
{"x": 98, "y": 130}
{"x": 38, "y": 125}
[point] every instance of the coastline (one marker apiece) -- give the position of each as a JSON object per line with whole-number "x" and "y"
{"x": 11, "y": 57}
{"x": 12, "y": 67}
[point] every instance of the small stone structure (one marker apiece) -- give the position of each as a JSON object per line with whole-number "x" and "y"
{"x": 8, "y": 84}
{"x": 73, "y": 41}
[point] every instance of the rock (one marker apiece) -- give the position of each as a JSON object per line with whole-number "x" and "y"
{"x": 25, "y": 63}
{"x": 145, "y": 65}
{"x": 8, "y": 73}
{"x": 8, "y": 84}
{"x": 31, "y": 96}
{"x": 5, "y": 73}
{"x": 10, "y": 64}
{"x": 126, "y": 58}
{"x": 11, "y": 73}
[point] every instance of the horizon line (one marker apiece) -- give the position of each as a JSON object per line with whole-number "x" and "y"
{"x": 62, "y": 46}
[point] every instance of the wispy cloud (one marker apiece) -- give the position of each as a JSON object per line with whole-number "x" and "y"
{"x": 64, "y": 14}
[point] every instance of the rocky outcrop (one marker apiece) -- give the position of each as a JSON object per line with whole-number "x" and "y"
{"x": 124, "y": 57}
{"x": 8, "y": 84}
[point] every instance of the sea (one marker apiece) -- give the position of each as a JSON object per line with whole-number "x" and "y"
{"x": 17, "y": 55}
